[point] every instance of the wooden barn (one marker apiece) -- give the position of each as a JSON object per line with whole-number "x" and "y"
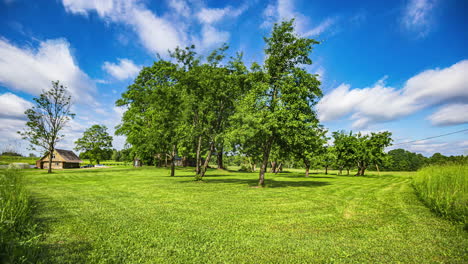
{"x": 61, "y": 159}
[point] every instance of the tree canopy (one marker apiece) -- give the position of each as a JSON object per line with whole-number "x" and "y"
{"x": 96, "y": 143}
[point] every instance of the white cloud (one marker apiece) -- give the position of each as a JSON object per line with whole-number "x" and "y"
{"x": 322, "y": 27}
{"x": 9, "y": 128}
{"x": 212, "y": 37}
{"x": 453, "y": 114}
{"x": 122, "y": 70}
{"x": 417, "y": 16}
{"x": 180, "y": 7}
{"x": 13, "y": 106}
{"x": 285, "y": 10}
{"x": 31, "y": 71}
{"x": 160, "y": 33}
{"x": 380, "y": 103}
{"x": 155, "y": 33}
{"x": 213, "y": 15}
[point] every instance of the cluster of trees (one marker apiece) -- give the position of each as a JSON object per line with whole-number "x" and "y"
{"x": 197, "y": 109}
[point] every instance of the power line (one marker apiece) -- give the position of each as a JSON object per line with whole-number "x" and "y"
{"x": 459, "y": 131}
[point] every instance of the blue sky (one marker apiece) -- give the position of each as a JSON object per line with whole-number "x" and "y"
{"x": 400, "y": 66}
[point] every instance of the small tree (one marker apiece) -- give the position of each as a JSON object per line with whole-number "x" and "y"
{"x": 96, "y": 143}
{"x": 49, "y": 115}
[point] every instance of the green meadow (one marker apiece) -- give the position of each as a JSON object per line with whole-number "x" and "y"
{"x": 127, "y": 215}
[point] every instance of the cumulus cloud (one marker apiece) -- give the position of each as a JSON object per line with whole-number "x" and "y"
{"x": 380, "y": 103}
{"x": 122, "y": 70}
{"x": 159, "y": 33}
{"x": 453, "y": 114}
{"x": 213, "y": 15}
{"x": 12, "y": 106}
{"x": 180, "y": 7}
{"x": 417, "y": 16}
{"x": 32, "y": 70}
{"x": 285, "y": 10}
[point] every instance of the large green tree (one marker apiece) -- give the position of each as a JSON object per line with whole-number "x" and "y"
{"x": 96, "y": 143}
{"x": 281, "y": 95}
{"x": 152, "y": 120}
{"x": 49, "y": 115}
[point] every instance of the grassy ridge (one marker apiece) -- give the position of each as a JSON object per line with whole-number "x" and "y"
{"x": 5, "y": 160}
{"x": 18, "y": 239}
{"x": 444, "y": 188}
{"x": 127, "y": 215}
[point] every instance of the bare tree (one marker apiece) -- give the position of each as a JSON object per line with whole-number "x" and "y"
{"x": 49, "y": 115}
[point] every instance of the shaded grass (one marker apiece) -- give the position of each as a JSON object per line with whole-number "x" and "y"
{"x": 444, "y": 188}
{"x": 142, "y": 215}
{"x": 18, "y": 239}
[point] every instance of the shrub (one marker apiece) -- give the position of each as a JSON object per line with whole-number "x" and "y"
{"x": 18, "y": 239}
{"x": 444, "y": 189}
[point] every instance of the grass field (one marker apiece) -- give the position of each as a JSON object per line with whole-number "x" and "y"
{"x": 126, "y": 215}
{"x": 444, "y": 188}
{"x": 5, "y": 160}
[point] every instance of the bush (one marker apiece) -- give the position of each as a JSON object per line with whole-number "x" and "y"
{"x": 444, "y": 189}
{"x": 18, "y": 239}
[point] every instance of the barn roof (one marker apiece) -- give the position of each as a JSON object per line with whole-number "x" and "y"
{"x": 68, "y": 155}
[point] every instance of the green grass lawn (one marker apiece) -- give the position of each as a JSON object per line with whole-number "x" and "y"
{"x": 126, "y": 215}
{"x": 5, "y": 160}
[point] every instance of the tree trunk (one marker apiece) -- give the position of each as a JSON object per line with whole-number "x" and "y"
{"x": 173, "y": 160}
{"x": 220, "y": 158}
{"x": 326, "y": 170}
{"x": 341, "y": 171}
{"x": 205, "y": 165}
{"x": 348, "y": 171}
{"x": 266, "y": 156}
{"x": 165, "y": 161}
{"x": 279, "y": 168}
{"x": 197, "y": 169}
{"x": 273, "y": 167}
{"x": 377, "y": 166}
{"x": 97, "y": 161}
{"x": 307, "y": 166}
{"x": 51, "y": 152}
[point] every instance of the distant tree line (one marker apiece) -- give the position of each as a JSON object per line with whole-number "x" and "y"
{"x": 403, "y": 160}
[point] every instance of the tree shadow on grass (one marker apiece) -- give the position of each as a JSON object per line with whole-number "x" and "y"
{"x": 320, "y": 176}
{"x": 62, "y": 251}
{"x": 269, "y": 183}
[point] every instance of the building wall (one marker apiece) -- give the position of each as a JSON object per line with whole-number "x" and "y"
{"x": 60, "y": 165}
{"x": 55, "y": 165}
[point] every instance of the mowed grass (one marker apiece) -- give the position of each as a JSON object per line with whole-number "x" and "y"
{"x": 126, "y": 215}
